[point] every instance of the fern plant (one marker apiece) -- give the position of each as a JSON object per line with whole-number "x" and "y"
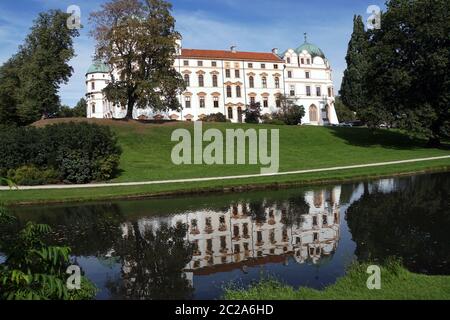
{"x": 34, "y": 270}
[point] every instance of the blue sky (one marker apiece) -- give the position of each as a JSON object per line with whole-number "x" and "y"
{"x": 252, "y": 25}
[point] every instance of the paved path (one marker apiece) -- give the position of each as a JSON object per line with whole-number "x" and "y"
{"x": 144, "y": 183}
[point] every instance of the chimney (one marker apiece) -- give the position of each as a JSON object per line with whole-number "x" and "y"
{"x": 233, "y": 49}
{"x": 275, "y": 51}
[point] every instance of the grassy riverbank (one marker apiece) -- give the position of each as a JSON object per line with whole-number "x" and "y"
{"x": 147, "y": 157}
{"x": 396, "y": 284}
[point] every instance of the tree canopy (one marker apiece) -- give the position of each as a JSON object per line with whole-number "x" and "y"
{"x": 138, "y": 39}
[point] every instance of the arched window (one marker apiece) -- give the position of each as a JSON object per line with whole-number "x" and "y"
{"x": 239, "y": 110}
{"x": 93, "y": 108}
{"x": 238, "y": 91}
{"x": 251, "y": 81}
{"x": 187, "y": 80}
{"x": 313, "y": 113}
{"x": 230, "y": 113}
{"x": 201, "y": 81}
{"x": 202, "y": 102}
{"x": 214, "y": 81}
{"x": 264, "y": 82}
{"x": 277, "y": 82}
{"x": 229, "y": 93}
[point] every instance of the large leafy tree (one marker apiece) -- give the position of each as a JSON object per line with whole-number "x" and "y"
{"x": 30, "y": 80}
{"x": 138, "y": 39}
{"x": 407, "y": 78}
{"x": 352, "y": 90}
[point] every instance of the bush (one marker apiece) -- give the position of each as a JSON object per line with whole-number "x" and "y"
{"x": 32, "y": 176}
{"x": 253, "y": 113}
{"x": 215, "y": 117}
{"x": 291, "y": 115}
{"x": 267, "y": 119}
{"x": 78, "y": 152}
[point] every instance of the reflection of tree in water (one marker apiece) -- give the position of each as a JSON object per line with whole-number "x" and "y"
{"x": 153, "y": 260}
{"x": 88, "y": 230}
{"x": 412, "y": 224}
{"x": 294, "y": 210}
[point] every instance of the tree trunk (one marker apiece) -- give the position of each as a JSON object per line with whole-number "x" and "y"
{"x": 130, "y": 108}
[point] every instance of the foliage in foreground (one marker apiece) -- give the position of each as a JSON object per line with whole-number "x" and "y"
{"x": 34, "y": 270}
{"x": 66, "y": 152}
{"x": 396, "y": 284}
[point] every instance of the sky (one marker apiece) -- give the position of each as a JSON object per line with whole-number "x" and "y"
{"x": 251, "y": 25}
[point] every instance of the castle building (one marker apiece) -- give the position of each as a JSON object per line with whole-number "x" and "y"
{"x": 227, "y": 81}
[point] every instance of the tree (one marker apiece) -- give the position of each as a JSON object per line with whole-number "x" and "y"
{"x": 408, "y": 76}
{"x": 352, "y": 90}
{"x": 290, "y": 113}
{"x": 344, "y": 113}
{"x": 253, "y": 113}
{"x": 80, "y": 110}
{"x": 138, "y": 39}
{"x": 30, "y": 80}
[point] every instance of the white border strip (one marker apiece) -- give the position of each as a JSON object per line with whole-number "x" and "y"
{"x": 145, "y": 183}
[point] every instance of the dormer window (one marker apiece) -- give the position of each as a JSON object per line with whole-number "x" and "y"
{"x": 308, "y": 61}
{"x": 302, "y": 61}
{"x": 288, "y": 60}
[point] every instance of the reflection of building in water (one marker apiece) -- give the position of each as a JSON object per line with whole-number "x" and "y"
{"x": 233, "y": 238}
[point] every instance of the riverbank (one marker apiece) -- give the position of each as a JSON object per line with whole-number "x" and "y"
{"x": 301, "y": 148}
{"x": 396, "y": 284}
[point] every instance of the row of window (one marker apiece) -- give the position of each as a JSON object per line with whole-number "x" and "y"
{"x": 250, "y": 65}
{"x": 307, "y": 74}
{"x": 202, "y": 102}
{"x": 302, "y": 60}
{"x": 215, "y": 81}
{"x": 292, "y": 92}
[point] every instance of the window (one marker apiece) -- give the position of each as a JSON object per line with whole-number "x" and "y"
{"x": 264, "y": 82}
{"x": 227, "y": 73}
{"x": 238, "y": 91}
{"x": 288, "y": 60}
{"x": 230, "y": 113}
{"x": 263, "y": 65}
{"x": 292, "y": 91}
{"x": 93, "y": 108}
{"x": 186, "y": 63}
{"x": 251, "y": 81}
{"x": 308, "y": 91}
{"x": 93, "y": 85}
{"x": 200, "y": 63}
{"x": 266, "y": 102}
{"x": 318, "y": 91}
{"x": 202, "y": 102}
{"x": 252, "y": 100}
{"x": 187, "y": 80}
{"x": 308, "y": 61}
{"x": 289, "y": 74}
{"x": 229, "y": 93}
{"x": 187, "y": 102}
{"x": 237, "y": 74}
{"x": 302, "y": 61}
{"x": 329, "y": 92}
{"x": 214, "y": 81}
{"x": 275, "y": 66}
{"x": 201, "y": 81}
{"x": 307, "y": 75}
{"x": 277, "y": 82}
{"x": 278, "y": 102}
{"x": 216, "y": 102}
{"x": 250, "y": 65}
{"x": 214, "y": 64}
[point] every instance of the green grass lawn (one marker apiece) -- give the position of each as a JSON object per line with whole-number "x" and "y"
{"x": 396, "y": 284}
{"x": 147, "y": 156}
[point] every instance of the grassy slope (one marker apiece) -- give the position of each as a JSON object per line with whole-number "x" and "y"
{"x": 147, "y": 149}
{"x": 396, "y": 284}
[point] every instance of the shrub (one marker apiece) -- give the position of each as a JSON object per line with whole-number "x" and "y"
{"x": 78, "y": 152}
{"x": 32, "y": 176}
{"x": 215, "y": 117}
{"x": 290, "y": 115}
{"x": 267, "y": 119}
{"x": 253, "y": 113}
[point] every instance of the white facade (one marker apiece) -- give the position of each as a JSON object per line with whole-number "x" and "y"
{"x": 228, "y": 81}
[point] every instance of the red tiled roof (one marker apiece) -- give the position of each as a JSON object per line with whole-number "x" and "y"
{"x": 229, "y": 55}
